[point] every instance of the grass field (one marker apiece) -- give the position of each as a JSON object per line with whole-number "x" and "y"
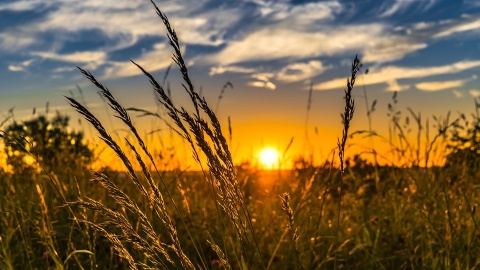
{"x": 348, "y": 213}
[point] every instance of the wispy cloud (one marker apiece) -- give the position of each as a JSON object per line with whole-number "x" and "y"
{"x": 12, "y": 41}
{"x": 459, "y": 27}
{"x": 263, "y": 84}
{"x": 394, "y": 7}
{"x": 301, "y": 71}
{"x": 394, "y": 73}
{"x": 393, "y": 85}
{"x": 151, "y": 61}
{"x": 22, "y": 66}
{"x": 390, "y": 8}
{"x": 273, "y": 43}
{"x": 391, "y": 49}
{"x": 299, "y": 14}
{"x": 457, "y": 94}
{"x": 265, "y": 76}
{"x": 76, "y": 57}
{"x": 474, "y": 92}
{"x": 263, "y": 80}
{"x": 433, "y": 86}
{"x": 230, "y": 69}
{"x": 15, "y": 68}
{"x": 64, "y": 69}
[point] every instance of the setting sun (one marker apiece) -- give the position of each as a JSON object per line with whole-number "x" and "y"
{"x": 268, "y": 158}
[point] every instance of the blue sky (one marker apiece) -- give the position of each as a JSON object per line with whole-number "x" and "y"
{"x": 269, "y": 50}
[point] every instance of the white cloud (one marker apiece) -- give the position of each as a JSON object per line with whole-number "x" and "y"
{"x": 15, "y": 68}
{"x": 290, "y": 73}
{"x": 20, "y": 66}
{"x": 399, "y": 6}
{"x": 459, "y": 27}
{"x": 376, "y": 41}
{"x": 64, "y": 69}
{"x": 151, "y": 61}
{"x": 299, "y": 14}
{"x": 422, "y": 25}
{"x": 457, "y": 93}
{"x": 15, "y": 41}
{"x": 391, "y": 49}
{"x": 440, "y": 85}
{"x": 263, "y": 80}
{"x": 262, "y": 84}
{"x": 271, "y": 43}
{"x": 394, "y": 86}
{"x": 474, "y": 92}
{"x": 76, "y": 57}
{"x": 263, "y": 76}
{"x": 300, "y": 71}
{"x": 231, "y": 69}
{"x": 389, "y": 73}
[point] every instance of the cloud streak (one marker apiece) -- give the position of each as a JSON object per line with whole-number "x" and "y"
{"x": 433, "y": 86}
{"x": 300, "y": 71}
{"x": 391, "y": 74}
{"x": 151, "y": 61}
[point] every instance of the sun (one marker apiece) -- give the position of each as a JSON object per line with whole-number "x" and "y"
{"x": 268, "y": 158}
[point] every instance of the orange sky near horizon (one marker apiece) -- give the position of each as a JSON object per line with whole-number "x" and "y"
{"x": 250, "y": 136}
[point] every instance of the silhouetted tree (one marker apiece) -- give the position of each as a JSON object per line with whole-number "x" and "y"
{"x": 47, "y": 141}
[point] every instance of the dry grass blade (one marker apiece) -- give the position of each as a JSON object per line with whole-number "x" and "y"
{"x": 220, "y": 96}
{"x": 347, "y": 116}
{"x": 129, "y": 233}
{"x": 177, "y": 56}
{"x": 125, "y": 201}
{"x": 218, "y": 157}
{"x": 157, "y": 202}
{"x": 104, "y": 136}
{"x": 117, "y": 245}
{"x": 294, "y": 232}
{"x": 224, "y": 262}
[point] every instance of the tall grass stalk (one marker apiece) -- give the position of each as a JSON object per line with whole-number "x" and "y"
{"x": 201, "y": 134}
{"x": 220, "y": 96}
{"x": 347, "y": 117}
{"x": 307, "y": 118}
{"x": 291, "y": 226}
{"x": 219, "y": 159}
{"x": 156, "y": 201}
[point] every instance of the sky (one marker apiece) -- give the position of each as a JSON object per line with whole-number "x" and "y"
{"x": 270, "y": 51}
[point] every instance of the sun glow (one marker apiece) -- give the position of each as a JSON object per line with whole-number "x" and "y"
{"x": 269, "y": 157}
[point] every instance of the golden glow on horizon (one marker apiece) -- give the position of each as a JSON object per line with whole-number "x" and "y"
{"x": 268, "y": 158}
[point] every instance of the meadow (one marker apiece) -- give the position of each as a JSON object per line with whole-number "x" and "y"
{"x": 350, "y": 212}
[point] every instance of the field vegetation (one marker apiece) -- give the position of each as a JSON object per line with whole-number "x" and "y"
{"x": 350, "y": 212}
